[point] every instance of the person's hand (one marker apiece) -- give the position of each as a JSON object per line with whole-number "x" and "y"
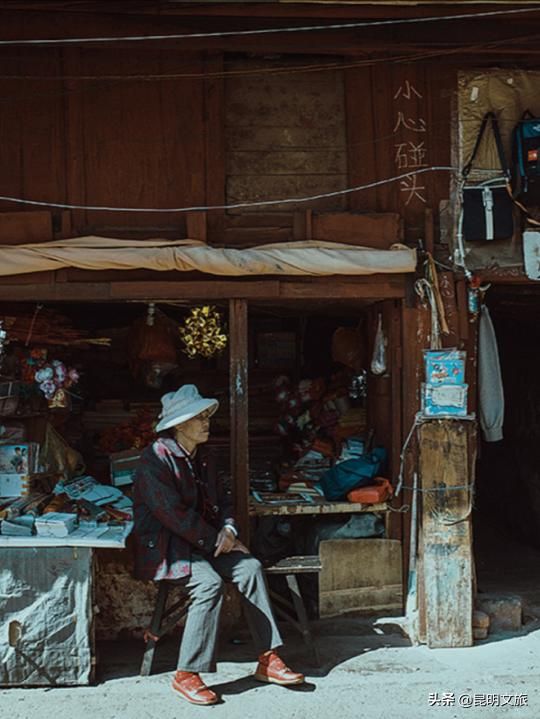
{"x": 225, "y": 541}
{"x": 239, "y": 547}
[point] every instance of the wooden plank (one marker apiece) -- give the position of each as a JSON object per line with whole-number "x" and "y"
{"x": 379, "y": 230}
{"x": 416, "y": 329}
{"x": 254, "y": 236}
{"x": 462, "y": 310}
{"x": 214, "y": 139}
{"x": 74, "y": 137}
{"x": 447, "y": 537}
{"x": 18, "y": 228}
{"x": 362, "y": 288}
{"x": 506, "y": 275}
{"x": 196, "y": 226}
{"x": 361, "y": 147}
{"x": 254, "y": 188}
{"x": 394, "y": 520}
{"x": 371, "y": 288}
{"x": 286, "y": 162}
{"x": 260, "y": 219}
{"x": 238, "y": 393}
{"x": 261, "y": 509}
{"x": 64, "y": 291}
{"x": 245, "y": 138}
{"x": 285, "y": 136}
{"x": 429, "y": 231}
{"x": 213, "y": 289}
{"x": 361, "y": 575}
{"x": 32, "y": 278}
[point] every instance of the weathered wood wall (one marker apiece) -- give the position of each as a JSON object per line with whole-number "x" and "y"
{"x": 187, "y": 141}
{"x": 285, "y": 134}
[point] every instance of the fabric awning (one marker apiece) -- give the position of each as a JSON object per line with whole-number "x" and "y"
{"x": 289, "y": 258}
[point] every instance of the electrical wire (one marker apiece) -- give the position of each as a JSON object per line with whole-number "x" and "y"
{"x": 269, "y": 31}
{"x": 283, "y": 69}
{"x": 236, "y": 205}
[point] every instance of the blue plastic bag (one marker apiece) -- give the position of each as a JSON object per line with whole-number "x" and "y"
{"x": 353, "y": 473}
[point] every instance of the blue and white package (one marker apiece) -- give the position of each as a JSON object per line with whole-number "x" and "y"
{"x": 445, "y": 366}
{"x": 444, "y": 400}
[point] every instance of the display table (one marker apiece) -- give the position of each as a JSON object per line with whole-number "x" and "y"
{"x": 112, "y": 538}
{"x": 47, "y": 607}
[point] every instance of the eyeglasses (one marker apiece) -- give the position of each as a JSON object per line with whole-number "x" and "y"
{"x": 204, "y": 415}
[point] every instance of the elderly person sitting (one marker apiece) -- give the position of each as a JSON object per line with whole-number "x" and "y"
{"x": 185, "y": 533}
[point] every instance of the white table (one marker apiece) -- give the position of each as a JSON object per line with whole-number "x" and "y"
{"x": 47, "y": 607}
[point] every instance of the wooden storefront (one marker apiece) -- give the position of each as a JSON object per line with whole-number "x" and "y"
{"x": 217, "y": 122}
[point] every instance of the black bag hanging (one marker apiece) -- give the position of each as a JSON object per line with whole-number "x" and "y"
{"x": 487, "y": 211}
{"x": 526, "y": 159}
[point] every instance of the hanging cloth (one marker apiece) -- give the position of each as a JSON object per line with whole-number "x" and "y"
{"x": 490, "y": 386}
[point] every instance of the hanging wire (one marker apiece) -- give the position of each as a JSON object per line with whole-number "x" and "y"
{"x": 235, "y": 205}
{"x": 284, "y": 69}
{"x": 269, "y": 31}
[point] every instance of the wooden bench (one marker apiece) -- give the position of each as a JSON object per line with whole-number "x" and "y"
{"x": 290, "y": 567}
{"x": 165, "y": 618}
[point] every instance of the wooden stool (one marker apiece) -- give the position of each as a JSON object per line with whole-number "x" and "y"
{"x": 290, "y": 567}
{"x": 158, "y": 625}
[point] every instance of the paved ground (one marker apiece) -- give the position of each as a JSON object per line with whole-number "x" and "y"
{"x": 364, "y": 675}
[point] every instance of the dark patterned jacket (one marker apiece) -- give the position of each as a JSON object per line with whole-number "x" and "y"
{"x": 177, "y": 511}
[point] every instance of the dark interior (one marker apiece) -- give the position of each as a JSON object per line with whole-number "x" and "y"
{"x": 506, "y": 522}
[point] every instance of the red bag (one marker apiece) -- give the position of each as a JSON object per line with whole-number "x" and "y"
{"x": 380, "y": 491}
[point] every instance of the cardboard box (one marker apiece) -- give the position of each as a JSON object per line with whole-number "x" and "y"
{"x": 123, "y": 466}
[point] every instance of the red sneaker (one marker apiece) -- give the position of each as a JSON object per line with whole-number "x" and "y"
{"x": 272, "y": 669}
{"x": 192, "y": 688}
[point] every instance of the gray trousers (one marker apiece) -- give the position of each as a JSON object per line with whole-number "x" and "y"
{"x": 205, "y": 587}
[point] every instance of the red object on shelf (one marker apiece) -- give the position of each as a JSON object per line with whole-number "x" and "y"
{"x": 380, "y": 491}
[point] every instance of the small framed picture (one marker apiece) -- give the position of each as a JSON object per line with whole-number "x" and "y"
{"x": 15, "y": 459}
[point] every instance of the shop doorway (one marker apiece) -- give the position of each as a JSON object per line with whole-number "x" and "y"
{"x": 507, "y": 514}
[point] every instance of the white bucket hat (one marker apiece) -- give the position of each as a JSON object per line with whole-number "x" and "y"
{"x": 182, "y": 405}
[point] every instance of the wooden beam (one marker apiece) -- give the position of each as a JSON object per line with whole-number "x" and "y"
{"x": 374, "y": 287}
{"x": 238, "y": 390}
{"x": 341, "y": 288}
{"x": 447, "y": 537}
{"x": 211, "y": 289}
{"x": 56, "y": 292}
{"x": 394, "y": 520}
{"x": 416, "y": 324}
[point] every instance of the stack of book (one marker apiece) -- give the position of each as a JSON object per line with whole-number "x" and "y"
{"x": 56, "y": 524}
{"x": 22, "y": 526}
